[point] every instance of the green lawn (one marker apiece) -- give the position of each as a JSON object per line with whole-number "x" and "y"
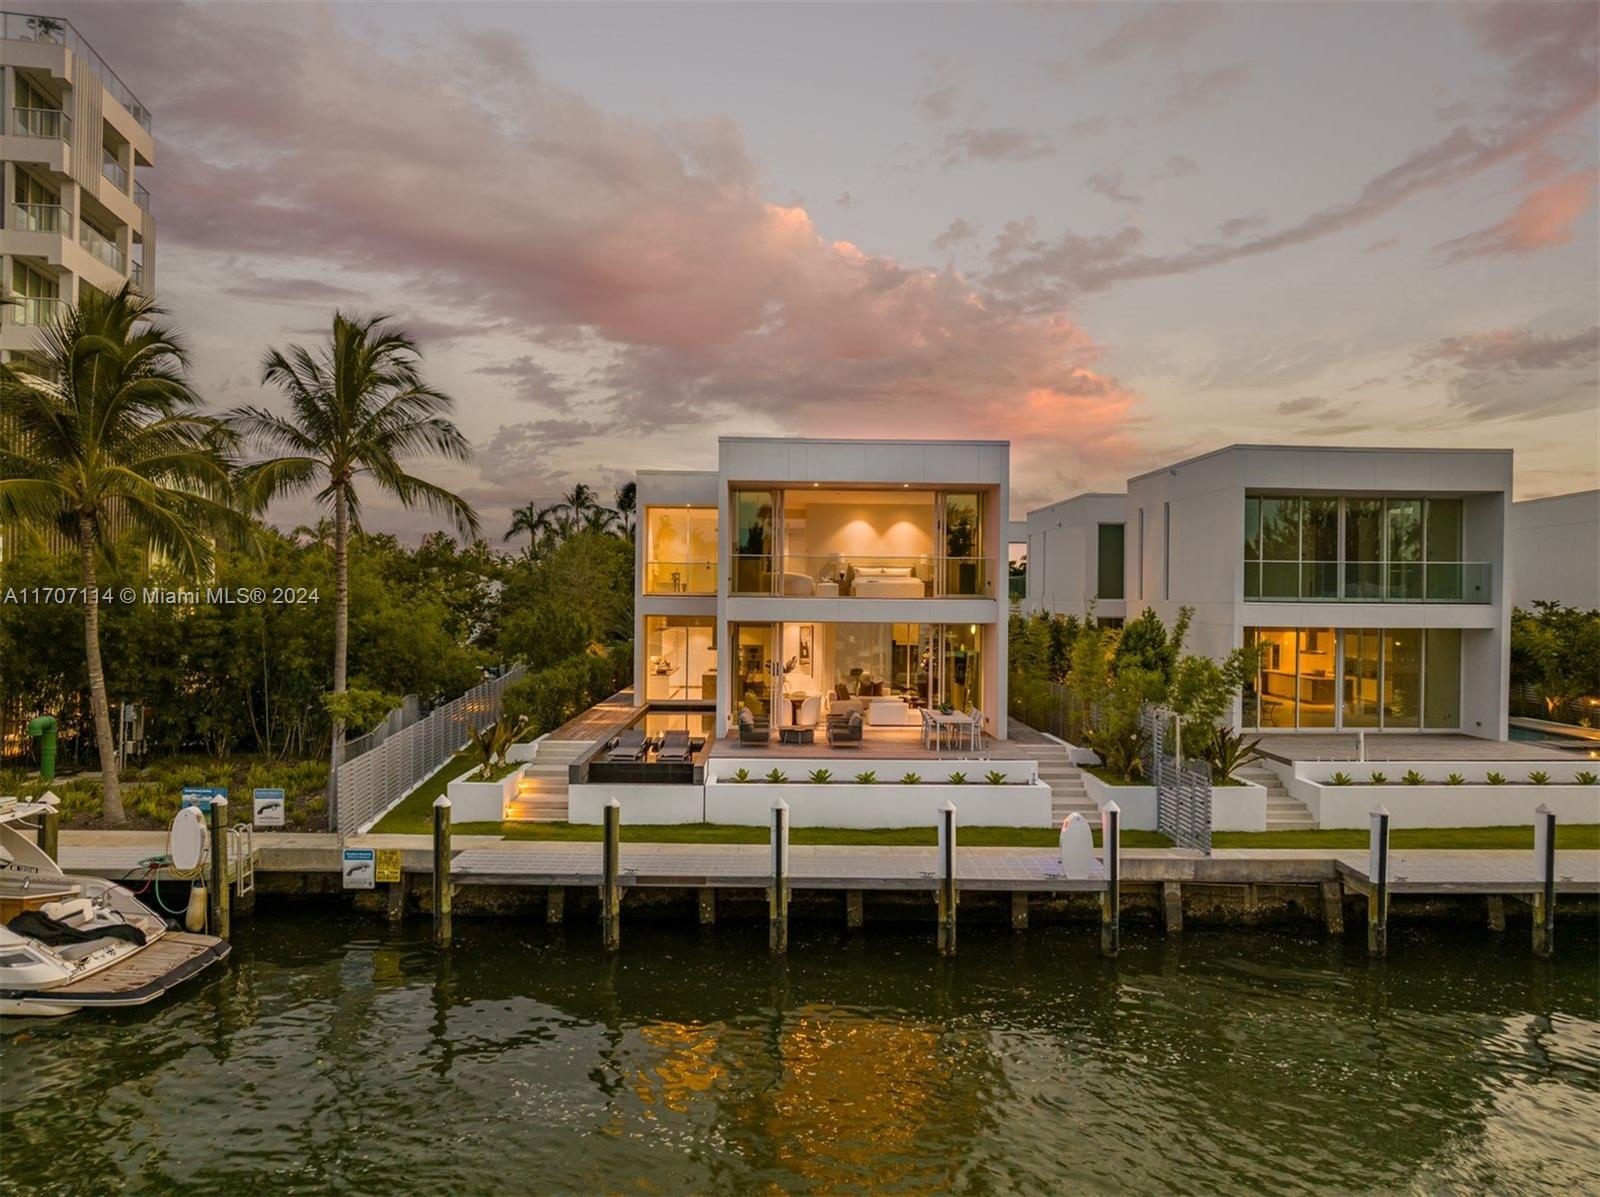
{"x": 414, "y": 815}
{"x": 1573, "y": 835}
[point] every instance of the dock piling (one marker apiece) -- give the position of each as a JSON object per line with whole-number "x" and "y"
{"x": 1111, "y": 898}
{"x": 855, "y": 909}
{"x": 50, "y": 834}
{"x": 442, "y": 892}
{"x": 395, "y": 905}
{"x": 1172, "y": 905}
{"x": 1019, "y": 910}
{"x": 778, "y": 894}
{"x": 708, "y": 905}
{"x": 555, "y": 905}
{"x": 610, "y": 893}
{"x": 947, "y": 879}
{"x": 217, "y": 816}
{"x": 1333, "y": 907}
{"x": 1544, "y": 868}
{"x": 1496, "y": 904}
{"x": 1378, "y": 891}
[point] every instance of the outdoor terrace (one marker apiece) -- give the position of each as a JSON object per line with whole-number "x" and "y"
{"x": 887, "y": 743}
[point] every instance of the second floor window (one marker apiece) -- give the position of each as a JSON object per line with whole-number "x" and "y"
{"x": 680, "y": 550}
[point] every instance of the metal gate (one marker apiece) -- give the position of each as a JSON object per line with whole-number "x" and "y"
{"x": 1183, "y": 789}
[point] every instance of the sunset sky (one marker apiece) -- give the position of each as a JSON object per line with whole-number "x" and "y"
{"x": 1115, "y": 234}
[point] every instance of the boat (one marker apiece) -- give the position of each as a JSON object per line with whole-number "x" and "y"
{"x": 70, "y": 943}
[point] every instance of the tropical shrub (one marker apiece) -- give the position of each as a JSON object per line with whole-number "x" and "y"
{"x": 1379, "y": 779}
{"x": 1494, "y": 779}
{"x": 1539, "y": 777}
{"x": 741, "y": 776}
{"x": 1586, "y": 778}
{"x": 820, "y": 777}
{"x": 1455, "y": 779}
{"x": 958, "y": 779}
{"x": 1413, "y": 778}
{"x": 995, "y": 778}
{"x": 1341, "y": 779}
{"x": 869, "y": 778}
{"x": 911, "y": 779}
{"x": 1228, "y": 751}
{"x": 490, "y": 744}
{"x": 777, "y": 777}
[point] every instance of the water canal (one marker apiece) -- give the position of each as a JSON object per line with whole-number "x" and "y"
{"x": 343, "y": 1056}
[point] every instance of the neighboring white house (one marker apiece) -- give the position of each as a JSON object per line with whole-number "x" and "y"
{"x": 1554, "y": 550}
{"x": 1075, "y": 557}
{"x": 1374, "y": 580}
{"x": 879, "y": 568}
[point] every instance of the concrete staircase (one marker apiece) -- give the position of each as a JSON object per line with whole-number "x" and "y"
{"x": 1067, "y": 793}
{"x": 1284, "y": 811}
{"x": 541, "y": 795}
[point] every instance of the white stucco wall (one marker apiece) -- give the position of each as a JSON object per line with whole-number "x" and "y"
{"x": 1064, "y": 555}
{"x": 1554, "y": 550}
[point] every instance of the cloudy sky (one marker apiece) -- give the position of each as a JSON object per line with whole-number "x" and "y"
{"x": 1115, "y": 234}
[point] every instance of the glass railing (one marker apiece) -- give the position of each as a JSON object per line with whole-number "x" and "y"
{"x": 680, "y": 577}
{"x": 1367, "y": 581}
{"x": 136, "y": 273}
{"x": 141, "y": 196}
{"x": 41, "y": 122}
{"x": 854, "y": 575}
{"x": 102, "y": 247}
{"x": 34, "y": 310}
{"x": 114, "y": 170}
{"x": 40, "y": 218}
{"x": 30, "y": 27}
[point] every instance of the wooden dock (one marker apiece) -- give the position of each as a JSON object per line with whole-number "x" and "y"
{"x": 1510, "y": 874}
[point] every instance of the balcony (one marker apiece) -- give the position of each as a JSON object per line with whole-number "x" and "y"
{"x": 21, "y": 26}
{"x": 680, "y": 577}
{"x": 1367, "y": 581}
{"x": 34, "y": 311}
{"x": 136, "y": 274}
{"x": 141, "y": 196}
{"x": 40, "y": 218}
{"x": 862, "y": 576}
{"x": 113, "y": 171}
{"x": 102, "y": 247}
{"x": 50, "y": 123}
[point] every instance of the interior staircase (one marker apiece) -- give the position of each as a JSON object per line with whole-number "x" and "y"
{"x": 1284, "y": 811}
{"x": 1067, "y": 792}
{"x": 541, "y": 795}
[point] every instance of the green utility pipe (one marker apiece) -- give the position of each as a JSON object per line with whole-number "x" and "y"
{"x": 43, "y": 729}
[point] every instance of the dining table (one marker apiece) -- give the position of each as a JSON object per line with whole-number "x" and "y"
{"x": 948, "y": 721}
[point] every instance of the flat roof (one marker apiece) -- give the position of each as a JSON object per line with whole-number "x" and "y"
{"x": 858, "y": 440}
{"x": 1177, "y": 465}
{"x": 1088, "y": 494}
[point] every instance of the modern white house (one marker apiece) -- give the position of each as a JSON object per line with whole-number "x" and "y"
{"x": 74, "y": 145}
{"x": 1553, "y": 546}
{"x": 1076, "y": 558}
{"x": 1375, "y": 581}
{"x": 804, "y": 572}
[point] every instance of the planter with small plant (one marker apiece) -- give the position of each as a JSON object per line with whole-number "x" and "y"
{"x": 1538, "y": 778}
{"x": 1341, "y": 779}
{"x": 1586, "y": 778}
{"x": 742, "y": 776}
{"x": 958, "y": 779}
{"x": 1413, "y": 778}
{"x": 995, "y": 778}
{"x": 911, "y": 779}
{"x": 777, "y": 777}
{"x": 869, "y": 778}
{"x": 1379, "y": 779}
{"x": 1455, "y": 779}
{"x": 820, "y": 777}
{"x": 1494, "y": 779}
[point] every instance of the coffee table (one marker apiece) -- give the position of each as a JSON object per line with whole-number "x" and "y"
{"x": 797, "y": 735}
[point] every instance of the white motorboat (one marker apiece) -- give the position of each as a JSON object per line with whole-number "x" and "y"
{"x": 70, "y": 943}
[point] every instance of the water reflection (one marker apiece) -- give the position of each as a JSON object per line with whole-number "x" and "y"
{"x": 352, "y": 1057}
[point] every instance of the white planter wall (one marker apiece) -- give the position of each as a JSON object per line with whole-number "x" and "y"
{"x": 640, "y": 803}
{"x": 1455, "y": 806}
{"x": 1137, "y": 803}
{"x": 844, "y": 769}
{"x": 525, "y": 751}
{"x": 482, "y": 801}
{"x": 1239, "y": 808}
{"x": 850, "y": 805}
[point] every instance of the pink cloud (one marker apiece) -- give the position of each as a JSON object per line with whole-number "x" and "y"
{"x": 1544, "y": 218}
{"x": 650, "y": 247}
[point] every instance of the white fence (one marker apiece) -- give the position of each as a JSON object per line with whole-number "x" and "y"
{"x": 364, "y": 786}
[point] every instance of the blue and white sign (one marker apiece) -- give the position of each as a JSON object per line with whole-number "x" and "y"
{"x": 268, "y": 810}
{"x": 360, "y": 868}
{"x": 203, "y": 796}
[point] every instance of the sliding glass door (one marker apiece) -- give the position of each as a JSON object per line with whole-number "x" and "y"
{"x": 1354, "y": 679}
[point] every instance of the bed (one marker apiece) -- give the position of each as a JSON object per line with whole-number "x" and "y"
{"x": 887, "y": 581}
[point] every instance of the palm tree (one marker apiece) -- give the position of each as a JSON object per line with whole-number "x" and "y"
{"x": 358, "y": 408}
{"x": 537, "y": 522}
{"x": 576, "y": 505}
{"x": 627, "y": 506}
{"x": 107, "y": 441}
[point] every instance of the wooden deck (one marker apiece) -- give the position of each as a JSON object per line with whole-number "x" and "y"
{"x": 1442, "y": 872}
{"x": 141, "y": 977}
{"x": 601, "y": 721}
{"x": 879, "y": 743}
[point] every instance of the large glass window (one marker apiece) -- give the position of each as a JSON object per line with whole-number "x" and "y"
{"x": 1442, "y": 687}
{"x": 1319, "y": 550}
{"x": 1403, "y": 546}
{"x": 754, "y": 540}
{"x": 1363, "y": 652}
{"x": 680, "y": 550}
{"x": 1363, "y": 548}
{"x": 1402, "y": 677}
{"x": 1278, "y": 678}
{"x": 1319, "y": 678}
{"x": 1108, "y": 582}
{"x": 1280, "y": 547}
{"x": 755, "y": 656}
{"x": 963, "y": 543}
{"x": 1443, "y": 540}
{"x": 681, "y": 657}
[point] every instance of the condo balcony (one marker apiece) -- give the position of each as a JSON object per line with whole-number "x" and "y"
{"x": 32, "y": 27}
{"x": 141, "y": 196}
{"x": 49, "y": 123}
{"x": 35, "y": 310}
{"x": 113, "y": 171}
{"x": 680, "y": 577}
{"x": 40, "y": 218}
{"x": 102, "y": 247}
{"x": 1368, "y": 581}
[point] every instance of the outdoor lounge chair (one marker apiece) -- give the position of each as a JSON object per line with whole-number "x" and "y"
{"x": 630, "y": 746}
{"x": 675, "y": 746}
{"x": 845, "y": 731}
{"x": 753, "y": 732}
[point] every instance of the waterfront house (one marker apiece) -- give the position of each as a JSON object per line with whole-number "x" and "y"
{"x": 1375, "y": 581}
{"x": 806, "y": 574}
